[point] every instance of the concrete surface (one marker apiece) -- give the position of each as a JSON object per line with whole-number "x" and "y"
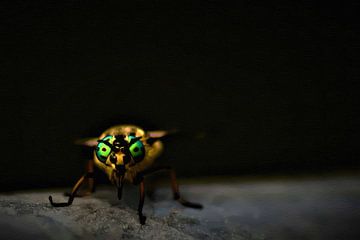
{"x": 293, "y": 209}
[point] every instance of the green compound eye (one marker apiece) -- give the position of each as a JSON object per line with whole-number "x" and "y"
{"x": 136, "y": 148}
{"x": 103, "y": 148}
{"x": 133, "y": 146}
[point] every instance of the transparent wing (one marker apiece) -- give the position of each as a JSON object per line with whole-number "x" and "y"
{"x": 89, "y": 142}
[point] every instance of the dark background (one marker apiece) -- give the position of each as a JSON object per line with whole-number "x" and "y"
{"x": 254, "y": 87}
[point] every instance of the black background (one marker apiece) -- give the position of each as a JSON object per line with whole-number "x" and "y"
{"x": 252, "y": 87}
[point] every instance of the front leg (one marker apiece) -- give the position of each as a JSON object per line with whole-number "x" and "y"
{"x": 142, "y": 218}
{"x": 72, "y": 194}
{"x": 89, "y": 176}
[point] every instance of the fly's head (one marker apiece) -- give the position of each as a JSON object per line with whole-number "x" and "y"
{"x": 120, "y": 152}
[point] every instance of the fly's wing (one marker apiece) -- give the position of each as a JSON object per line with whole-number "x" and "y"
{"x": 163, "y": 134}
{"x": 89, "y": 142}
{"x": 160, "y": 133}
{"x": 153, "y": 136}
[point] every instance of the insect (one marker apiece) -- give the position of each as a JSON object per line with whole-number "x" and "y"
{"x": 125, "y": 153}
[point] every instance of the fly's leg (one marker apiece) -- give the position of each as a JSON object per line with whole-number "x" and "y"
{"x": 90, "y": 180}
{"x": 139, "y": 179}
{"x": 72, "y": 194}
{"x": 174, "y": 187}
{"x": 142, "y": 218}
{"x": 176, "y": 193}
{"x": 89, "y": 176}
